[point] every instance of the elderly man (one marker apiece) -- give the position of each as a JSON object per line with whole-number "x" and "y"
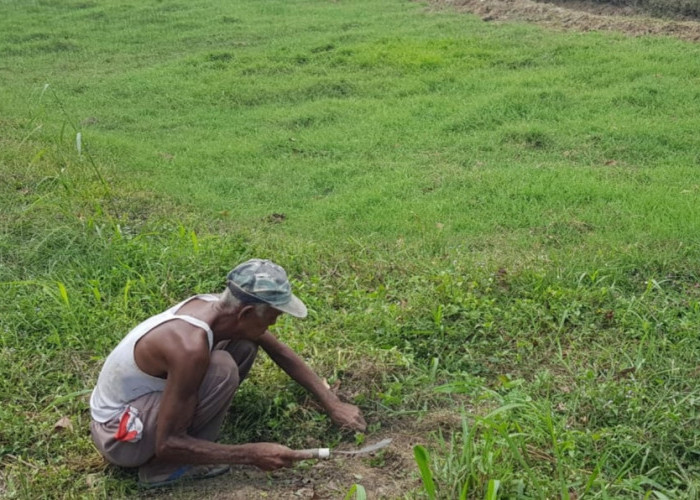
{"x": 164, "y": 391}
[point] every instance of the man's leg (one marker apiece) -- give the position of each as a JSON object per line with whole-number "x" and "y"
{"x": 229, "y": 373}
{"x": 243, "y": 353}
{"x": 215, "y": 395}
{"x": 227, "y": 368}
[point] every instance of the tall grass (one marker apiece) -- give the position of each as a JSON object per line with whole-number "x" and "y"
{"x": 527, "y": 450}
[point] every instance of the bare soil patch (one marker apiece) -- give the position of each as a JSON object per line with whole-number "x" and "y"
{"x": 386, "y": 475}
{"x": 577, "y": 16}
{"x": 389, "y": 474}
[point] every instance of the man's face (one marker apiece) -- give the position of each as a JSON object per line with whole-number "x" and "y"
{"x": 253, "y": 325}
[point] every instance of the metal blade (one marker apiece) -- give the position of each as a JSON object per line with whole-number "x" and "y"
{"x": 367, "y": 449}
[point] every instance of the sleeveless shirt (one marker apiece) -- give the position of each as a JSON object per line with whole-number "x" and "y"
{"x": 121, "y": 380}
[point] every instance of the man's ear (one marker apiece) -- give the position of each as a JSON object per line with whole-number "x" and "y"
{"x": 245, "y": 311}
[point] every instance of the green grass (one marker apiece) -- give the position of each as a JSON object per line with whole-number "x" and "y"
{"x": 479, "y": 216}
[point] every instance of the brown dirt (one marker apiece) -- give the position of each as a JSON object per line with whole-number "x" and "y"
{"x": 389, "y": 474}
{"x": 577, "y": 16}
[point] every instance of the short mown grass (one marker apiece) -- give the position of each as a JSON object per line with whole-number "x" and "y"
{"x": 494, "y": 220}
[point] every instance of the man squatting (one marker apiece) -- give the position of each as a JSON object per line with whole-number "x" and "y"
{"x": 164, "y": 391}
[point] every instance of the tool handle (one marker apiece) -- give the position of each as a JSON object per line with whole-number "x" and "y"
{"x": 322, "y": 453}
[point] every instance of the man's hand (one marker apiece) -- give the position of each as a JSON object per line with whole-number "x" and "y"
{"x": 347, "y": 416}
{"x": 271, "y": 456}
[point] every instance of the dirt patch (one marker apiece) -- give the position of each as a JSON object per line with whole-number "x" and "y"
{"x": 387, "y": 474}
{"x": 577, "y": 16}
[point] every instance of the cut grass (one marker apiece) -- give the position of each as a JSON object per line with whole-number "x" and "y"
{"x": 497, "y": 213}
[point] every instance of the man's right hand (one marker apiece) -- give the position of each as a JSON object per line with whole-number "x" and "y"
{"x": 271, "y": 456}
{"x": 347, "y": 416}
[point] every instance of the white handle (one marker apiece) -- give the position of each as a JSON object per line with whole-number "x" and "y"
{"x": 322, "y": 453}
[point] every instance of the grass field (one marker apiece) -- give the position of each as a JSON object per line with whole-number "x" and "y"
{"x": 493, "y": 220}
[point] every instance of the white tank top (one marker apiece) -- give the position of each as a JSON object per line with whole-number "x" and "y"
{"x": 121, "y": 380}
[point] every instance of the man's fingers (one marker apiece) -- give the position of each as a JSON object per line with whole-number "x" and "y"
{"x": 304, "y": 454}
{"x": 358, "y": 424}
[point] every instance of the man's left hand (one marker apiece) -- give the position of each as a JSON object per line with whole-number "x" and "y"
{"x": 347, "y": 416}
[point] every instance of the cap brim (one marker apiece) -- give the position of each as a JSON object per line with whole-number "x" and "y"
{"x": 295, "y": 307}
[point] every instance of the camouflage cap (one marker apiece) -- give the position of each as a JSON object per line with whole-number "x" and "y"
{"x": 263, "y": 281}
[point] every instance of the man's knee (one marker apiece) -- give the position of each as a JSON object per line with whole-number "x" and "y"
{"x": 222, "y": 375}
{"x": 243, "y": 353}
{"x": 243, "y": 350}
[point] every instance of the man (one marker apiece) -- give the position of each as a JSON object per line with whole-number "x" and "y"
{"x": 164, "y": 391}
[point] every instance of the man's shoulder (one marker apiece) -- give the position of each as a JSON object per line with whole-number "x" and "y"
{"x": 178, "y": 334}
{"x": 174, "y": 343}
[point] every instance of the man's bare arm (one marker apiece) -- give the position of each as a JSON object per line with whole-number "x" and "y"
{"x": 343, "y": 414}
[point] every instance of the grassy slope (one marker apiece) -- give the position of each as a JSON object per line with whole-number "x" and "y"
{"x": 516, "y": 204}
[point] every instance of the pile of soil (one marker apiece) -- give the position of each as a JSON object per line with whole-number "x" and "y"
{"x": 577, "y": 16}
